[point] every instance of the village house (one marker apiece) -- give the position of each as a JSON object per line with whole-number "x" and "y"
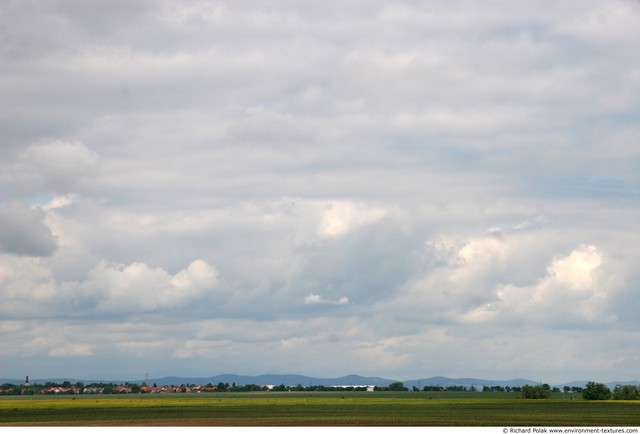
{"x": 122, "y": 389}
{"x": 90, "y": 390}
{"x": 55, "y": 390}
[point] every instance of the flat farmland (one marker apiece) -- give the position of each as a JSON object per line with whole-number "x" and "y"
{"x": 314, "y": 409}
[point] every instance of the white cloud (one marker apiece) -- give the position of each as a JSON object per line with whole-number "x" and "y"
{"x": 138, "y": 287}
{"x": 293, "y": 342}
{"x": 575, "y": 292}
{"x": 113, "y": 289}
{"x": 313, "y": 299}
{"x": 318, "y": 299}
{"x": 341, "y": 217}
{"x": 60, "y": 202}
{"x": 513, "y": 280}
{"x": 576, "y": 270}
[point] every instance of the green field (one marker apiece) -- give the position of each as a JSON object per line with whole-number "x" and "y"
{"x": 315, "y": 409}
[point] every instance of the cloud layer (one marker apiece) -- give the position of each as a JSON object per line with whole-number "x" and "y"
{"x": 400, "y": 190}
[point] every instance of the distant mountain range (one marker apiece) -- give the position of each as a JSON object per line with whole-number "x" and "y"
{"x": 466, "y": 382}
{"x": 275, "y": 379}
{"x": 292, "y": 380}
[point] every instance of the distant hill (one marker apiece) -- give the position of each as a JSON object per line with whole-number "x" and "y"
{"x": 275, "y": 379}
{"x": 466, "y": 382}
{"x": 293, "y": 380}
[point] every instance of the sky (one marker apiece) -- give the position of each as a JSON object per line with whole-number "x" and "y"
{"x": 396, "y": 189}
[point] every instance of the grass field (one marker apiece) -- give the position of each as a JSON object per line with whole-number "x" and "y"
{"x": 315, "y": 409}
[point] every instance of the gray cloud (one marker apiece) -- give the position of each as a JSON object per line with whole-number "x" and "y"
{"x": 55, "y": 166}
{"x": 395, "y": 185}
{"x": 23, "y": 230}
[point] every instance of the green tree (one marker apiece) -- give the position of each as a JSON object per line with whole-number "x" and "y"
{"x": 596, "y": 392}
{"x": 280, "y": 388}
{"x": 627, "y": 392}
{"x": 541, "y": 391}
{"x": 397, "y": 386}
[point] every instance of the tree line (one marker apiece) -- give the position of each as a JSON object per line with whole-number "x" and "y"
{"x": 592, "y": 391}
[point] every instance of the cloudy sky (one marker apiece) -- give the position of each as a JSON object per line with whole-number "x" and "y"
{"x": 399, "y": 189}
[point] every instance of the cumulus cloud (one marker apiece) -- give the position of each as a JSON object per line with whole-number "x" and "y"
{"x": 574, "y": 292}
{"x": 576, "y": 271}
{"x": 110, "y": 289}
{"x": 514, "y": 280}
{"x": 138, "y": 287}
